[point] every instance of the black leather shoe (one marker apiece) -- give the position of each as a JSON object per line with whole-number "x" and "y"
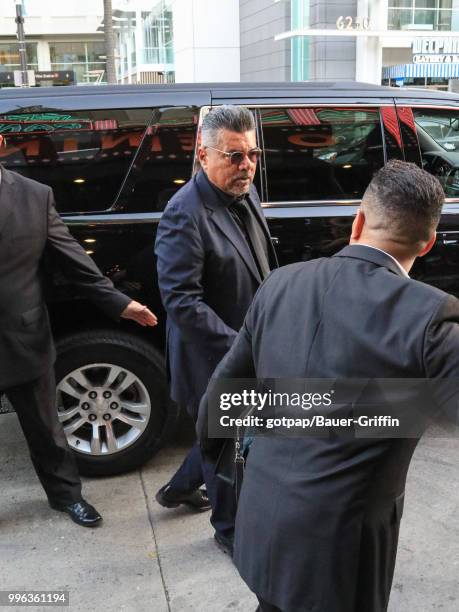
{"x": 80, "y": 512}
{"x": 224, "y": 543}
{"x": 168, "y": 498}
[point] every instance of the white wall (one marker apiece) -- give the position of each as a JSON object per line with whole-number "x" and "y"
{"x": 206, "y": 40}
{"x": 368, "y": 64}
{"x": 50, "y": 8}
{"x": 51, "y": 17}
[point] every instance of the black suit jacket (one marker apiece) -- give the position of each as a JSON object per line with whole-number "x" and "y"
{"x": 318, "y": 519}
{"x": 29, "y": 227}
{"x": 207, "y": 279}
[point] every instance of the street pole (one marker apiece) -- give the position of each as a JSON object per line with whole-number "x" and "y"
{"x": 22, "y": 44}
{"x": 109, "y": 35}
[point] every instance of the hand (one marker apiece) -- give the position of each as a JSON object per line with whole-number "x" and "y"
{"x": 140, "y": 314}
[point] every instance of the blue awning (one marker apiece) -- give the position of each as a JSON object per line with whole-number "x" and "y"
{"x": 406, "y": 71}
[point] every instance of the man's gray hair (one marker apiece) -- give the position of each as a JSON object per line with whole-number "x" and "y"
{"x": 227, "y": 117}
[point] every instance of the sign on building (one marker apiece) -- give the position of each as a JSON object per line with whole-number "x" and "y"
{"x": 436, "y": 50}
{"x": 38, "y": 77}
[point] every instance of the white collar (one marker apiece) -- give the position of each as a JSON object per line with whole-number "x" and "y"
{"x": 402, "y": 269}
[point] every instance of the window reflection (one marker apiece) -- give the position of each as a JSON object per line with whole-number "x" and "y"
{"x": 438, "y": 132}
{"x": 320, "y": 153}
{"x": 83, "y": 155}
{"x": 165, "y": 161}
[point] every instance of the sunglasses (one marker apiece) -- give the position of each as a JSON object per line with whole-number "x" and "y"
{"x": 237, "y": 157}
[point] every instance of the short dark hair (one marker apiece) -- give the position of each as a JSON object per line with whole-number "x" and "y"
{"x": 226, "y": 117}
{"x": 406, "y": 201}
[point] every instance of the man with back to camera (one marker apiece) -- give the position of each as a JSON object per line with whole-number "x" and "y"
{"x": 213, "y": 249}
{"x": 318, "y": 518}
{"x": 30, "y": 227}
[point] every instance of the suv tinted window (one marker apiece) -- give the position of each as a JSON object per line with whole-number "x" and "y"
{"x": 83, "y": 155}
{"x": 438, "y": 132}
{"x": 164, "y": 162}
{"x": 320, "y": 153}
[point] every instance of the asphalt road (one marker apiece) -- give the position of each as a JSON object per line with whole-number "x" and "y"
{"x": 147, "y": 558}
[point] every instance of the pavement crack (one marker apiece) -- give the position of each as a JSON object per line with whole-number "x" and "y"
{"x": 150, "y": 520}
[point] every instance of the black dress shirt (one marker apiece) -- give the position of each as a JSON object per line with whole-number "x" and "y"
{"x": 240, "y": 209}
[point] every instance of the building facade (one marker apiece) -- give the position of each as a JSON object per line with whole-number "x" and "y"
{"x": 406, "y": 42}
{"x": 70, "y": 37}
{"x": 427, "y": 54}
{"x": 403, "y": 42}
{"x": 177, "y": 40}
{"x": 206, "y": 40}
{"x": 67, "y": 43}
{"x": 144, "y": 41}
{"x": 156, "y": 40}
{"x": 262, "y": 58}
{"x": 269, "y": 52}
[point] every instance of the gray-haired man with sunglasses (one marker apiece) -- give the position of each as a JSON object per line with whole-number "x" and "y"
{"x": 214, "y": 250}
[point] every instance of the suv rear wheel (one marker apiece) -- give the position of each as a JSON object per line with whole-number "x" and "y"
{"x": 112, "y": 400}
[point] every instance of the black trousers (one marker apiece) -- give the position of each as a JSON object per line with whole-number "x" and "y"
{"x": 197, "y": 470}
{"x": 264, "y": 606}
{"x": 34, "y": 403}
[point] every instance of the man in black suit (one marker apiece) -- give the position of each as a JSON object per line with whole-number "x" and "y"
{"x": 30, "y": 228}
{"x": 214, "y": 249}
{"x": 318, "y": 517}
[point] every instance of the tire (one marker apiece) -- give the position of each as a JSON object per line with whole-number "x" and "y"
{"x": 112, "y": 400}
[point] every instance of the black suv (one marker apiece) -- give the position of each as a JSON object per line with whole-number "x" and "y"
{"x": 114, "y": 157}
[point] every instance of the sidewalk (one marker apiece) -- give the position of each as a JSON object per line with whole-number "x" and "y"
{"x": 147, "y": 558}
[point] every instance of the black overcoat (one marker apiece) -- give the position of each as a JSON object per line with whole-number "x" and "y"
{"x": 207, "y": 279}
{"x": 318, "y": 518}
{"x": 31, "y": 228}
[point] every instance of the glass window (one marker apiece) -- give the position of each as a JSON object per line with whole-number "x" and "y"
{"x": 83, "y": 155}
{"x": 400, "y": 3}
{"x": 82, "y": 57}
{"x": 444, "y": 20}
{"x": 438, "y": 132}
{"x": 164, "y": 163}
{"x": 438, "y": 14}
{"x": 320, "y": 153}
{"x": 398, "y": 19}
{"x": 158, "y": 35}
{"x": 429, "y": 4}
{"x": 10, "y": 59}
{"x": 426, "y": 3}
{"x": 300, "y": 44}
{"x": 68, "y": 52}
